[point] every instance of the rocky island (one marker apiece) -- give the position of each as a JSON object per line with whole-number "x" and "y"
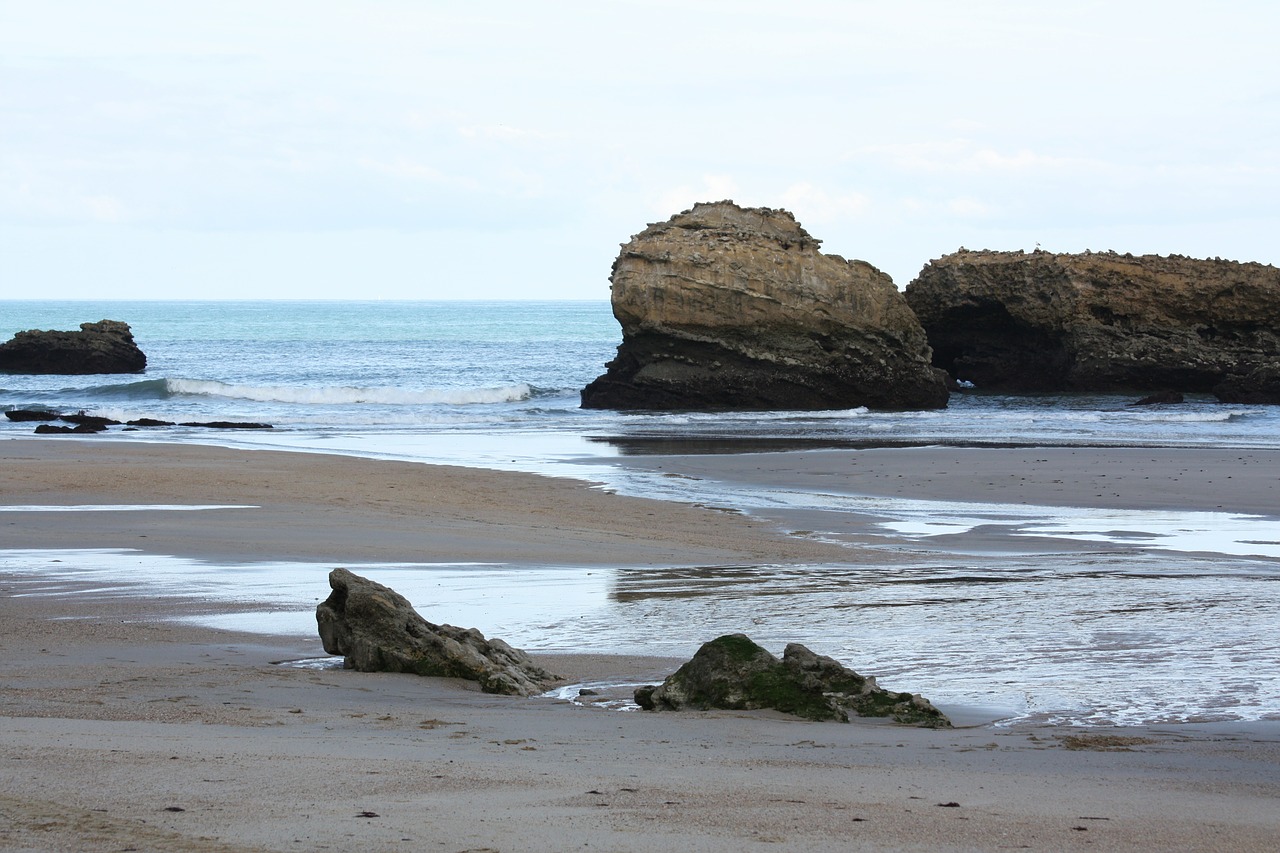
{"x": 103, "y": 347}
{"x": 730, "y": 308}
{"x": 1025, "y": 322}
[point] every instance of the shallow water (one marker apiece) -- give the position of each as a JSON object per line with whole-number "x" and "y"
{"x": 1097, "y": 638}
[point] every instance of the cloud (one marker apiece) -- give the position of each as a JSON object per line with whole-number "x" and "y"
{"x": 966, "y": 156}
{"x": 500, "y": 133}
{"x": 813, "y": 203}
{"x": 713, "y": 188}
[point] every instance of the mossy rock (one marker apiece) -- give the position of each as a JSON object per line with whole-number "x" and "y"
{"x": 734, "y": 673}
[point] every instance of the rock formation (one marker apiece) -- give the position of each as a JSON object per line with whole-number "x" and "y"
{"x": 378, "y": 630}
{"x": 1014, "y": 321}
{"x": 103, "y": 347}
{"x": 733, "y": 672}
{"x": 724, "y": 307}
{"x": 1260, "y": 385}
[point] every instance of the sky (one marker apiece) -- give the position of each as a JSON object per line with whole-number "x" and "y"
{"x": 388, "y": 149}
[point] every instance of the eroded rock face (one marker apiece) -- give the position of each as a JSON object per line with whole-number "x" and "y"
{"x": 733, "y": 672}
{"x": 1261, "y": 385}
{"x": 378, "y": 630}
{"x": 724, "y": 307}
{"x": 1097, "y": 321}
{"x": 103, "y": 347}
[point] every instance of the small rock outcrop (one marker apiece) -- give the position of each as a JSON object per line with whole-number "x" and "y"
{"x": 732, "y": 672}
{"x": 378, "y": 630}
{"x": 731, "y": 308}
{"x": 103, "y": 347}
{"x": 1161, "y": 398}
{"x": 1015, "y": 321}
{"x": 29, "y": 415}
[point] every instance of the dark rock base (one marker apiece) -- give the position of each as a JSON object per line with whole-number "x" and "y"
{"x": 666, "y": 374}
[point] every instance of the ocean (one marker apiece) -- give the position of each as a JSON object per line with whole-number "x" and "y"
{"x": 1181, "y": 628}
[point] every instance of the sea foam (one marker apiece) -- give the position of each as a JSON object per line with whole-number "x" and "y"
{"x": 347, "y": 395}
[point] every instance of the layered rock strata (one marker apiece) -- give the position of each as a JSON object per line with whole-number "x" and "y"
{"x": 734, "y": 673}
{"x": 724, "y": 307}
{"x": 103, "y": 347}
{"x": 1039, "y": 321}
{"x": 377, "y": 630}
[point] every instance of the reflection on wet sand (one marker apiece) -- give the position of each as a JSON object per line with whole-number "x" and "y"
{"x": 1121, "y": 637}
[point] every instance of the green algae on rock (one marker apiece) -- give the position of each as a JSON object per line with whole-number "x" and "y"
{"x": 733, "y": 672}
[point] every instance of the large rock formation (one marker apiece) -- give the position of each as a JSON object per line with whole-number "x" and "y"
{"x": 724, "y": 307}
{"x": 1097, "y": 321}
{"x": 103, "y": 347}
{"x": 378, "y": 630}
{"x": 733, "y": 672}
{"x": 1260, "y": 385}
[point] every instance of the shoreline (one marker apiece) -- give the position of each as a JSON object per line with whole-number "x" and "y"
{"x": 125, "y": 728}
{"x": 129, "y": 732}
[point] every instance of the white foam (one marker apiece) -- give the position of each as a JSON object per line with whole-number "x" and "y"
{"x": 346, "y": 395}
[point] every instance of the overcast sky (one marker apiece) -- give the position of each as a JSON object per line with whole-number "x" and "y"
{"x": 422, "y": 150}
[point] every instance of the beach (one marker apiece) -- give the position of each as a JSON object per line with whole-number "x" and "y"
{"x": 130, "y": 728}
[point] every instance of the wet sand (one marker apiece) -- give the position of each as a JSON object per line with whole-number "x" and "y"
{"x": 336, "y": 508}
{"x": 1191, "y": 478}
{"x": 126, "y": 730}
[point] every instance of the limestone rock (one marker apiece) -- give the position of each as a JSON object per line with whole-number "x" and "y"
{"x": 103, "y": 347}
{"x": 724, "y": 308}
{"x": 1014, "y": 321}
{"x": 378, "y": 630}
{"x": 733, "y": 672}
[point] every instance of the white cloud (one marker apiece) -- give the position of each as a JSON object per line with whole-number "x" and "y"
{"x": 501, "y": 133}
{"x": 813, "y": 203}
{"x": 966, "y": 156}
{"x": 712, "y": 188}
{"x": 908, "y": 128}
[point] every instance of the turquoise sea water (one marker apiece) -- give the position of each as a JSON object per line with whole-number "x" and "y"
{"x": 317, "y": 369}
{"x": 1173, "y": 620}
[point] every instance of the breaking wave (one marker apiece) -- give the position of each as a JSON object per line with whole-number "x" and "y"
{"x": 349, "y": 395}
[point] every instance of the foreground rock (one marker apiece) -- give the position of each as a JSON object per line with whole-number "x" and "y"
{"x": 724, "y": 307}
{"x": 1097, "y": 322}
{"x": 103, "y": 347}
{"x": 733, "y": 672}
{"x": 378, "y": 630}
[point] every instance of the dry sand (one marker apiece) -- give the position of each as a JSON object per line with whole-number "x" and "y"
{"x": 124, "y": 730}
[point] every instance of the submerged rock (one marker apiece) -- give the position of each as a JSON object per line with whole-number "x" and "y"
{"x": 733, "y": 672}
{"x": 103, "y": 347}
{"x": 724, "y": 307}
{"x": 378, "y": 630}
{"x": 1014, "y": 321}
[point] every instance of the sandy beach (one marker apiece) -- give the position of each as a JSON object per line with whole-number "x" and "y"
{"x": 128, "y": 730}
